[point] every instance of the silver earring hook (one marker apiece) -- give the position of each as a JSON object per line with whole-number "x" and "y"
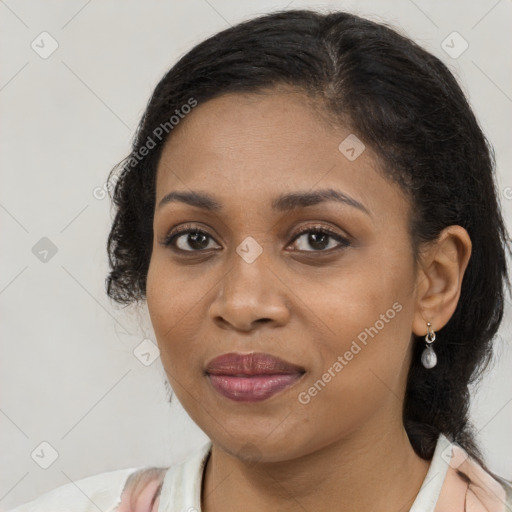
{"x": 431, "y": 335}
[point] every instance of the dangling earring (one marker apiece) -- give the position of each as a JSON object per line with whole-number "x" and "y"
{"x": 428, "y": 357}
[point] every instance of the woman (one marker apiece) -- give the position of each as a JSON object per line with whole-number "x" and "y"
{"x": 309, "y": 210}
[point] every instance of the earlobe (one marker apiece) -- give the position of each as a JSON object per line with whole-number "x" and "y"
{"x": 439, "y": 280}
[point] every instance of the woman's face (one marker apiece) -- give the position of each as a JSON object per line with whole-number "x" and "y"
{"x": 339, "y": 306}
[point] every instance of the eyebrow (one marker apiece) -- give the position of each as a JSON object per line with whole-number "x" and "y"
{"x": 284, "y": 203}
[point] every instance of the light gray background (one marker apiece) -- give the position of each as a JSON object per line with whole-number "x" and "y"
{"x": 69, "y": 376}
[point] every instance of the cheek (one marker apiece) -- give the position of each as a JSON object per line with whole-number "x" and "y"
{"x": 166, "y": 303}
{"x": 176, "y": 304}
{"x": 174, "y": 309}
{"x": 158, "y": 296}
{"x": 366, "y": 326}
{"x": 363, "y": 370}
{"x": 172, "y": 294}
{"x": 371, "y": 336}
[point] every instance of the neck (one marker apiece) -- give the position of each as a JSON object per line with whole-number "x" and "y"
{"x": 365, "y": 471}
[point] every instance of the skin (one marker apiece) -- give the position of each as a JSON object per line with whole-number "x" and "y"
{"x": 297, "y": 302}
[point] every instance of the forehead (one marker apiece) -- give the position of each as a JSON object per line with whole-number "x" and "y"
{"x": 256, "y": 146}
{"x": 263, "y": 125}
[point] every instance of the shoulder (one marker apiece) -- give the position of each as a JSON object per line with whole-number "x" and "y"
{"x": 98, "y": 492}
{"x": 471, "y": 487}
{"x": 507, "y": 486}
{"x": 141, "y": 492}
{"x": 129, "y": 490}
{"x": 174, "y": 488}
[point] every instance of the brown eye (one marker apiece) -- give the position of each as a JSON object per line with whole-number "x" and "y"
{"x": 315, "y": 239}
{"x": 189, "y": 240}
{"x": 320, "y": 240}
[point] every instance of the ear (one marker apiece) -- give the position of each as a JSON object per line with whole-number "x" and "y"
{"x": 439, "y": 280}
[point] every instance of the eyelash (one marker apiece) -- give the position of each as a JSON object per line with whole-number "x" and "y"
{"x": 186, "y": 229}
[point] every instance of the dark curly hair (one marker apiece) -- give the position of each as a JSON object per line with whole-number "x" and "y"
{"x": 405, "y": 104}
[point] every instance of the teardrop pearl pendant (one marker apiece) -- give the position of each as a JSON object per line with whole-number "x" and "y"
{"x": 429, "y": 357}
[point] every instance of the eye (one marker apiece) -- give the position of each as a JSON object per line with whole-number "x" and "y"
{"x": 320, "y": 239}
{"x": 187, "y": 239}
{"x": 192, "y": 239}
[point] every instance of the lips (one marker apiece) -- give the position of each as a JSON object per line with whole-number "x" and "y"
{"x": 251, "y": 377}
{"x": 250, "y": 364}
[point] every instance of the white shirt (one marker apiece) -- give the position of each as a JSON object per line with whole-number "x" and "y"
{"x": 181, "y": 490}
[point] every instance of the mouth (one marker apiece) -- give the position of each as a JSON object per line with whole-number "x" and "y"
{"x": 251, "y": 377}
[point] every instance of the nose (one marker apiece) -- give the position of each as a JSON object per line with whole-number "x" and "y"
{"x": 250, "y": 294}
